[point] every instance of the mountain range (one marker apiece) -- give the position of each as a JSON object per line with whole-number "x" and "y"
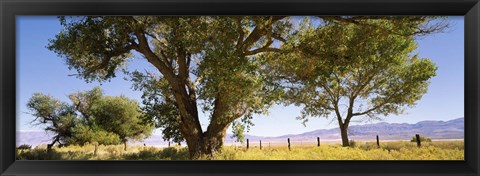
{"x": 436, "y": 130}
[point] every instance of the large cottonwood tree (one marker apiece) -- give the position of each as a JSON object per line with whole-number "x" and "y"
{"x": 207, "y": 61}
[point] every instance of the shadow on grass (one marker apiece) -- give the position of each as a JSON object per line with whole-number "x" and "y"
{"x": 170, "y": 153}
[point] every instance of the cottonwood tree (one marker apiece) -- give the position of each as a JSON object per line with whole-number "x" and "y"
{"x": 123, "y": 117}
{"x": 92, "y": 117}
{"x": 206, "y": 63}
{"x": 355, "y": 67}
{"x": 86, "y": 130}
{"x": 57, "y": 116}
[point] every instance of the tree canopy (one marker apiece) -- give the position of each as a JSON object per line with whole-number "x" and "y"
{"x": 92, "y": 117}
{"x": 221, "y": 65}
{"x": 206, "y": 61}
{"x": 353, "y": 70}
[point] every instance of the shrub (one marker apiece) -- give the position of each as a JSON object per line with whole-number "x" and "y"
{"x": 24, "y": 147}
{"x": 352, "y": 143}
{"x": 422, "y": 139}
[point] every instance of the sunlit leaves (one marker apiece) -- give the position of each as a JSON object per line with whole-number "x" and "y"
{"x": 121, "y": 116}
{"x": 92, "y": 117}
{"x": 338, "y": 61}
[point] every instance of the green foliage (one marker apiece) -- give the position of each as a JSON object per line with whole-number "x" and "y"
{"x": 422, "y": 139}
{"x": 86, "y": 134}
{"x": 159, "y": 105}
{"x": 24, "y": 147}
{"x": 224, "y": 65}
{"x": 205, "y": 60}
{"x": 353, "y": 68}
{"x": 58, "y": 117}
{"x": 238, "y": 132}
{"x": 87, "y": 41}
{"x": 358, "y": 63}
{"x": 121, "y": 116}
{"x": 92, "y": 118}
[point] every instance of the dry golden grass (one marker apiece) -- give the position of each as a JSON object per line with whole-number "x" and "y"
{"x": 400, "y": 150}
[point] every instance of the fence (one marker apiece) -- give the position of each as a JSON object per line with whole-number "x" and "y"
{"x": 288, "y": 143}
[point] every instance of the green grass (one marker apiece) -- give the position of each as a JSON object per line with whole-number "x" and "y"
{"x": 401, "y": 150}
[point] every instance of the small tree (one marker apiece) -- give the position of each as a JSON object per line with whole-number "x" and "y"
{"x": 58, "y": 117}
{"x": 122, "y": 117}
{"x": 92, "y": 118}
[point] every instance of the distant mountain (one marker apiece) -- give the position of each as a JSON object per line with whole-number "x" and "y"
{"x": 452, "y": 129}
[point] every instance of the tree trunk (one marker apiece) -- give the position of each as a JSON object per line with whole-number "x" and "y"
{"x": 49, "y": 146}
{"x": 125, "y": 145}
{"x": 343, "y": 131}
{"x": 204, "y": 145}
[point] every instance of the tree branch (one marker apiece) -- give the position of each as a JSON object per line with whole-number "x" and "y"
{"x": 263, "y": 49}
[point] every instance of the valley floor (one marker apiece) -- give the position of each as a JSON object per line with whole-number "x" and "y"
{"x": 392, "y": 150}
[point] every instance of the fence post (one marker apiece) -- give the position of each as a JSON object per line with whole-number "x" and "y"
{"x": 247, "y": 144}
{"x": 96, "y": 149}
{"x": 289, "y": 144}
{"x": 378, "y": 142}
{"x": 318, "y": 141}
{"x": 260, "y": 144}
{"x": 419, "y": 143}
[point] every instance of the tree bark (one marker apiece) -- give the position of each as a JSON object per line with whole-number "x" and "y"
{"x": 204, "y": 145}
{"x": 343, "y": 131}
{"x": 49, "y": 146}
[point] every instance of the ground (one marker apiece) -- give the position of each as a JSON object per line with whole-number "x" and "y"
{"x": 392, "y": 150}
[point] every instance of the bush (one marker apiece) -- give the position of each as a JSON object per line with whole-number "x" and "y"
{"x": 38, "y": 154}
{"x": 352, "y": 143}
{"x": 24, "y": 147}
{"x": 422, "y": 139}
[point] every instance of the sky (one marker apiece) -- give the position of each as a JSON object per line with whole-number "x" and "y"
{"x": 41, "y": 70}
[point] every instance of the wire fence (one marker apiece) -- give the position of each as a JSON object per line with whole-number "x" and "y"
{"x": 303, "y": 143}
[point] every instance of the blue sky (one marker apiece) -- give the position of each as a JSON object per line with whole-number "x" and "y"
{"x": 40, "y": 70}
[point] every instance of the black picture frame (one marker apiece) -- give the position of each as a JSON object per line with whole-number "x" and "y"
{"x": 470, "y": 9}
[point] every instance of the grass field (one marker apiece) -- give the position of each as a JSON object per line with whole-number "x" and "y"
{"x": 399, "y": 150}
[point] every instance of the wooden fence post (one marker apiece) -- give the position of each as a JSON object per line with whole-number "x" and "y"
{"x": 289, "y": 144}
{"x": 378, "y": 142}
{"x": 318, "y": 141}
{"x": 247, "y": 144}
{"x": 260, "y": 144}
{"x": 419, "y": 143}
{"x": 96, "y": 149}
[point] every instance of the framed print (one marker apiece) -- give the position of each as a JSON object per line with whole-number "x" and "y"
{"x": 239, "y": 88}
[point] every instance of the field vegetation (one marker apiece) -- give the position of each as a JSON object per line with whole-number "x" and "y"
{"x": 398, "y": 150}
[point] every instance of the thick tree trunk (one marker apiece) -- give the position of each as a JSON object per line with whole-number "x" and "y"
{"x": 343, "y": 131}
{"x": 204, "y": 145}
